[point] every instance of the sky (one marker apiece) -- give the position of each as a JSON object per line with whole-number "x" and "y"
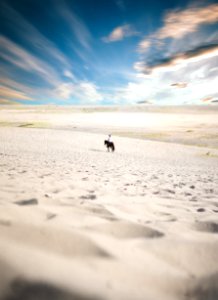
{"x": 108, "y": 52}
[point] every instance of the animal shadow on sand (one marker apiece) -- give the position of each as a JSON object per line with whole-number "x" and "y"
{"x": 96, "y": 150}
{"x": 22, "y": 289}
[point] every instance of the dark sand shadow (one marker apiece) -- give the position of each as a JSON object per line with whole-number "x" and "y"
{"x": 22, "y": 289}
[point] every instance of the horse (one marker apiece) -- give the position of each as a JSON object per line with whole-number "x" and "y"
{"x": 109, "y": 145}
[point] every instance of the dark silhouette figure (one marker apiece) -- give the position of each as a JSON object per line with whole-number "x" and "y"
{"x": 109, "y": 145}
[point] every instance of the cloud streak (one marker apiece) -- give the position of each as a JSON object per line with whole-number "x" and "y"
{"x": 179, "y": 60}
{"x": 6, "y": 102}
{"x": 121, "y": 4}
{"x": 76, "y": 25}
{"x": 9, "y": 93}
{"x": 180, "y": 85}
{"x": 119, "y": 33}
{"x": 21, "y": 58}
{"x": 27, "y": 32}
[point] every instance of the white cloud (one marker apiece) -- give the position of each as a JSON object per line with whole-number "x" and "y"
{"x": 82, "y": 91}
{"x": 179, "y": 23}
{"x": 189, "y": 59}
{"x": 89, "y": 92}
{"x": 139, "y": 66}
{"x": 65, "y": 90}
{"x": 119, "y": 33}
{"x": 69, "y": 74}
{"x": 192, "y": 83}
{"x": 136, "y": 91}
{"x": 144, "y": 45}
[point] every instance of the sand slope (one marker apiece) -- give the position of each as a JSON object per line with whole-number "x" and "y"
{"x": 77, "y": 222}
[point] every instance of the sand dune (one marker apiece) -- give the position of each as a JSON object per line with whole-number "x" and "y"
{"x": 77, "y": 222}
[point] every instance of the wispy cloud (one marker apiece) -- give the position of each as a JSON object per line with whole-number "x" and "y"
{"x": 65, "y": 90}
{"x": 76, "y": 25}
{"x": 121, "y": 4}
{"x": 207, "y": 99}
{"x": 144, "y": 45}
{"x": 27, "y": 32}
{"x": 6, "y": 81}
{"x": 32, "y": 92}
{"x": 24, "y": 60}
{"x": 119, "y": 33}
{"x": 212, "y": 98}
{"x": 17, "y": 56}
{"x": 6, "y": 101}
{"x": 9, "y": 94}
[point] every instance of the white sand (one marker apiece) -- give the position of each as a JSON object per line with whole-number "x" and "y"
{"x": 139, "y": 223}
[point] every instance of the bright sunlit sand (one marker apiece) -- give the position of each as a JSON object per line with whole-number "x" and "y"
{"x": 79, "y": 222}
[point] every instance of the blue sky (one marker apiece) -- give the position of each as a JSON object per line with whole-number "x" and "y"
{"x": 96, "y": 52}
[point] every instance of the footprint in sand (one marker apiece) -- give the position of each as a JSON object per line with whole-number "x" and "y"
{"x": 187, "y": 194}
{"x": 156, "y": 192}
{"x": 170, "y": 191}
{"x": 206, "y": 226}
{"x": 5, "y": 222}
{"x": 127, "y": 230}
{"x": 101, "y": 212}
{"x": 88, "y": 197}
{"x": 193, "y": 199}
{"x": 201, "y": 209}
{"x": 50, "y": 216}
{"x": 55, "y": 191}
{"x": 32, "y": 201}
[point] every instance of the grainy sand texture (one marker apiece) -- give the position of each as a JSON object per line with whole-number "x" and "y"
{"x": 79, "y": 222}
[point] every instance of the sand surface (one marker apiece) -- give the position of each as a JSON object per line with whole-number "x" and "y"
{"x": 78, "y": 222}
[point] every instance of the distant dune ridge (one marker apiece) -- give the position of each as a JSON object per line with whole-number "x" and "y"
{"x": 191, "y": 125}
{"x": 78, "y": 222}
